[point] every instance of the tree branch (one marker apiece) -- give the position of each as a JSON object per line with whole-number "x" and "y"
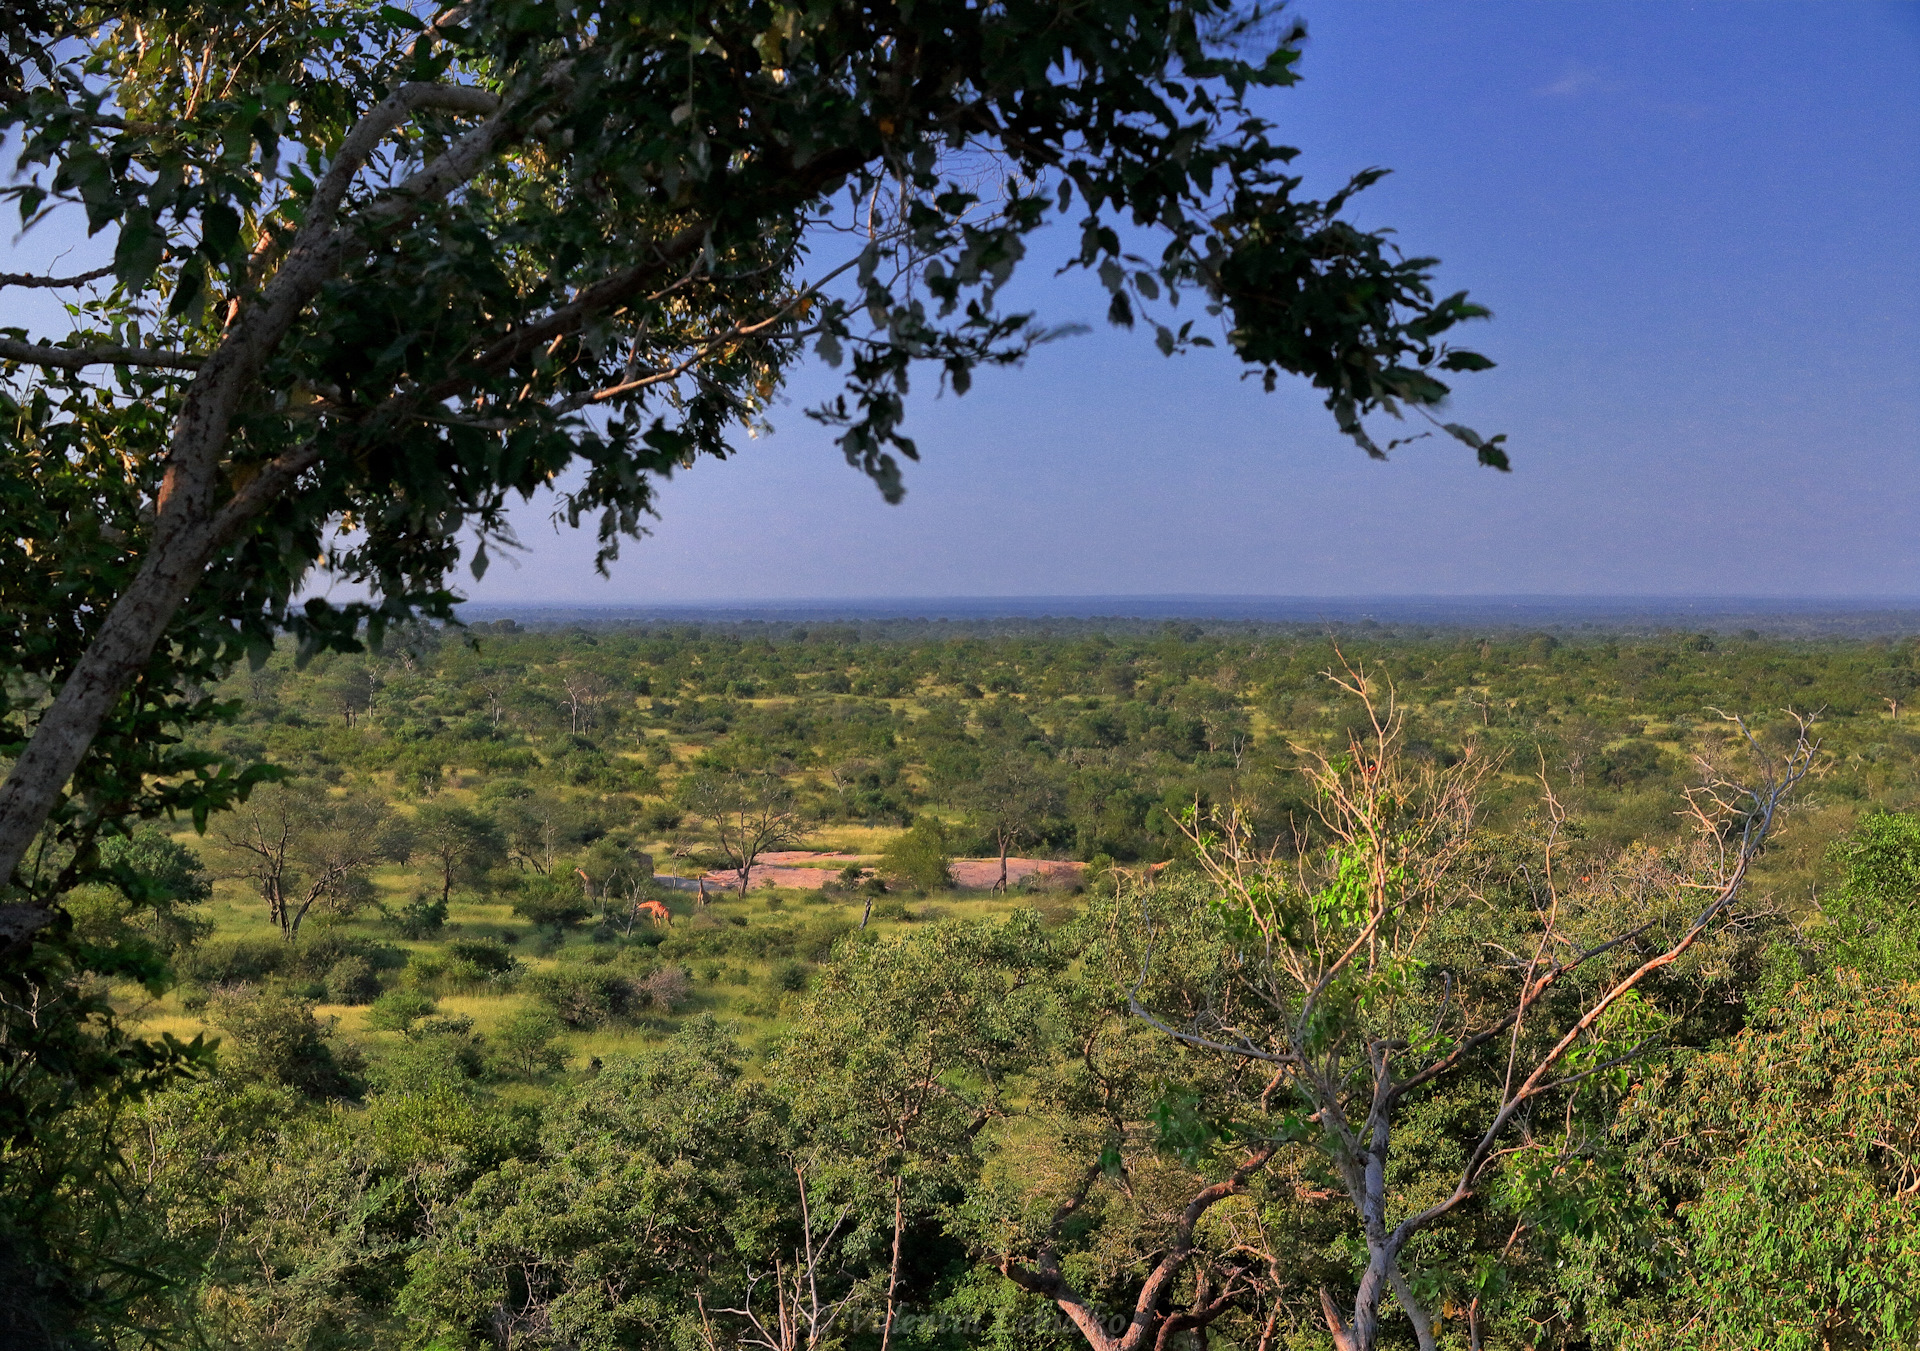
{"x": 79, "y": 358}
{"x": 27, "y": 279}
{"x": 359, "y": 143}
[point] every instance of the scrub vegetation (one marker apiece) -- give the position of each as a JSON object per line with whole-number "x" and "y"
{"x": 1422, "y": 989}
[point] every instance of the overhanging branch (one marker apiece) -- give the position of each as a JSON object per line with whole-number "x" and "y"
{"x": 28, "y": 279}
{"x": 79, "y": 358}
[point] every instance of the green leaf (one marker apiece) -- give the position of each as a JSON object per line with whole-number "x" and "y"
{"x": 219, "y": 230}
{"x": 1491, "y": 454}
{"x": 188, "y": 290}
{"x": 138, "y": 252}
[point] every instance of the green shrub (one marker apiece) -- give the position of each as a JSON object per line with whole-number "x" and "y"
{"x": 485, "y": 954}
{"x": 662, "y": 817}
{"x": 465, "y": 964}
{"x": 790, "y": 976}
{"x": 921, "y": 857}
{"x": 235, "y": 961}
{"x": 1870, "y": 913}
{"x": 523, "y": 1044}
{"x": 398, "y": 1010}
{"x": 351, "y": 981}
{"x": 426, "y": 972}
{"x": 275, "y": 1038}
{"x": 494, "y": 758}
{"x": 422, "y": 917}
{"x": 585, "y": 996}
{"x": 319, "y": 950}
{"x": 437, "y": 1053}
{"x": 551, "y": 902}
{"x": 812, "y": 942}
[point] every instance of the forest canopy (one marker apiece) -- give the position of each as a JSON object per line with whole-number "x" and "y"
{"x": 485, "y": 1095}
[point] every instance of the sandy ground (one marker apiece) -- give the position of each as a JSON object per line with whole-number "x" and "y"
{"x": 805, "y": 871}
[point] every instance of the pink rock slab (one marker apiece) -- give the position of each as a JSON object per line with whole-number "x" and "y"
{"x": 985, "y": 872}
{"x": 972, "y": 873}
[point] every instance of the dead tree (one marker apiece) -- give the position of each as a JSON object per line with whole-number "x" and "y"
{"x": 801, "y": 1317}
{"x": 1315, "y": 941}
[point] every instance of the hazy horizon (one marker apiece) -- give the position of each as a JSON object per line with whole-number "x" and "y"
{"x": 1808, "y": 617}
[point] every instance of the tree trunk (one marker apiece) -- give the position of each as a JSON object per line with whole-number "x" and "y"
{"x": 1363, "y": 1333}
{"x": 1336, "y": 1325}
{"x": 60, "y": 739}
{"x": 1006, "y": 843}
{"x": 893, "y": 1268}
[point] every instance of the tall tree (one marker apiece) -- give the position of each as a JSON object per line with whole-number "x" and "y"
{"x": 301, "y": 849}
{"x": 902, "y": 1058}
{"x": 388, "y": 266}
{"x": 1014, "y": 799}
{"x": 751, "y": 812}
{"x": 1358, "y": 982}
{"x": 461, "y": 843}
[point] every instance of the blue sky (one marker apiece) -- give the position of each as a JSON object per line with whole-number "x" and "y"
{"x": 1697, "y": 225}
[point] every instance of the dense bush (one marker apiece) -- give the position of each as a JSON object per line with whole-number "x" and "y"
{"x": 813, "y": 941}
{"x": 586, "y": 996}
{"x": 275, "y": 1037}
{"x": 230, "y": 961}
{"x": 523, "y": 1044}
{"x": 398, "y": 1010}
{"x": 556, "y": 902}
{"x": 921, "y": 857}
{"x": 422, "y": 917}
{"x": 790, "y": 976}
{"x": 351, "y": 981}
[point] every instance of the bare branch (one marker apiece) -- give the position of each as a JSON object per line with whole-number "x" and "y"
{"x": 79, "y": 358}
{"x": 28, "y": 280}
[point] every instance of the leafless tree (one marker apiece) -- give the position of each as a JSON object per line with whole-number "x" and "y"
{"x": 1316, "y": 940}
{"x": 585, "y": 692}
{"x": 495, "y": 688}
{"x": 802, "y": 1318}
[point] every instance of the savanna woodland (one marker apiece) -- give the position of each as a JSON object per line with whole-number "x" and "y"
{"x": 374, "y": 980}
